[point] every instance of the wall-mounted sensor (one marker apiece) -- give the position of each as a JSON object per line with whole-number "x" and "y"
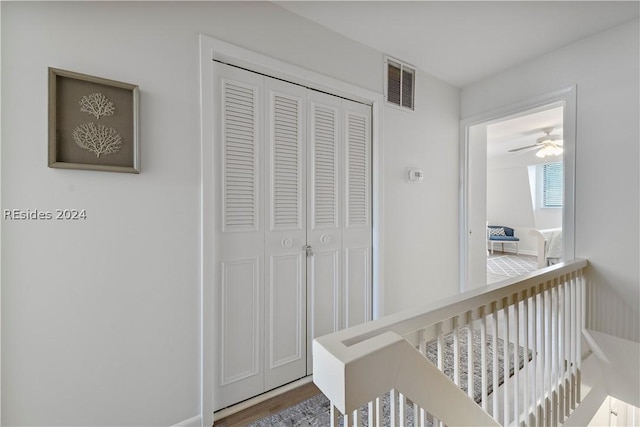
{"x": 416, "y": 175}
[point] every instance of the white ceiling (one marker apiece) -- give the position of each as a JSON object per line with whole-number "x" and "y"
{"x": 463, "y": 42}
{"x": 521, "y": 131}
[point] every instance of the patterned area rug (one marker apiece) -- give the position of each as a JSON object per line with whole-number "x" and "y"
{"x": 511, "y": 265}
{"x": 463, "y": 334}
{"x": 311, "y": 412}
{"x": 315, "y": 411}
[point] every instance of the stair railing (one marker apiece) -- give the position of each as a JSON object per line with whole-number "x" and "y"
{"x": 507, "y": 354}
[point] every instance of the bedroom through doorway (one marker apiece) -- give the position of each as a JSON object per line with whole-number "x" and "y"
{"x": 518, "y": 191}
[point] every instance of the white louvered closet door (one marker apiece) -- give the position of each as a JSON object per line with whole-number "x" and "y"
{"x": 339, "y": 275}
{"x": 292, "y": 170}
{"x": 286, "y": 234}
{"x": 238, "y": 235}
{"x": 324, "y": 206}
{"x": 356, "y": 215}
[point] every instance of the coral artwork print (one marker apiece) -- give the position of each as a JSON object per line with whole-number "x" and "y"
{"x": 97, "y": 105}
{"x": 95, "y": 137}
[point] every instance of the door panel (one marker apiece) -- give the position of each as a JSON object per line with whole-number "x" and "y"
{"x": 357, "y": 286}
{"x": 324, "y": 297}
{"x": 239, "y": 237}
{"x": 240, "y": 331}
{"x": 356, "y": 233}
{"x": 286, "y": 235}
{"x": 324, "y": 204}
{"x": 285, "y": 340}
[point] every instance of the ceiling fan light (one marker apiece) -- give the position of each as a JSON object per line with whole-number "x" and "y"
{"x": 549, "y": 150}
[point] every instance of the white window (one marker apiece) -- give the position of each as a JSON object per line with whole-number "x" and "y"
{"x": 400, "y": 79}
{"x": 552, "y": 185}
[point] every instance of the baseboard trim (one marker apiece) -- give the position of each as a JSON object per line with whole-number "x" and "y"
{"x": 191, "y": 422}
{"x": 226, "y": 412}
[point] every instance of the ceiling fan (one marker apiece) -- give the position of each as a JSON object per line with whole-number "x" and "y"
{"x": 548, "y": 145}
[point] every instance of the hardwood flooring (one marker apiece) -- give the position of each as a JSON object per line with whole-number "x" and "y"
{"x": 269, "y": 407}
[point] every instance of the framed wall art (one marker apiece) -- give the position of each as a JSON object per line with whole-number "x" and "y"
{"x": 93, "y": 123}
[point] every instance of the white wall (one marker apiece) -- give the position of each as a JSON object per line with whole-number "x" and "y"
{"x": 100, "y": 318}
{"x": 421, "y": 219}
{"x": 605, "y": 68}
{"x": 510, "y": 202}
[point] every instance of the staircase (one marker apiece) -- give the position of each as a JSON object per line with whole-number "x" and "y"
{"x": 509, "y": 354}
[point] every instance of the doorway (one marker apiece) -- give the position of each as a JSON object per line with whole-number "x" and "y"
{"x": 518, "y": 186}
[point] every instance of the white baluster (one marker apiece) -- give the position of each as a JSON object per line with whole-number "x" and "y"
{"x": 401, "y": 412}
{"x": 456, "y": 351}
{"x": 572, "y": 347}
{"x": 440, "y": 345}
{"x": 554, "y": 352}
{"x": 371, "y": 413}
{"x": 505, "y": 364}
{"x": 422, "y": 342}
{"x": 543, "y": 355}
{"x": 393, "y": 401}
{"x": 548, "y": 350}
{"x": 516, "y": 360}
{"x": 580, "y": 313}
{"x": 334, "y": 416}
{"x": 561, "y": 348}
{"x": 483, "y": 358}
{"x": 525, "y": 344}
{"x": 470, "y": 359}
{"x": 534, "y": 349}
{"x": 494, "y": 333}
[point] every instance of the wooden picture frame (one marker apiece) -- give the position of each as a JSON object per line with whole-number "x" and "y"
{"x": 93, "y": 123}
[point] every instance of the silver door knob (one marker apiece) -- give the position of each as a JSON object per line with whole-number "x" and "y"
{"x": 308, "y": 249}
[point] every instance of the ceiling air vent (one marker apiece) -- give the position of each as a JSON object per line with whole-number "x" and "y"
{"x": 400, "y": 79}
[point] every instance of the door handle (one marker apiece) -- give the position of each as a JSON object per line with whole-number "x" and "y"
{"x": 308, "y": 249}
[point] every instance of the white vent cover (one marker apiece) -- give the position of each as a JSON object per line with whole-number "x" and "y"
{"x": 400, "y": 83}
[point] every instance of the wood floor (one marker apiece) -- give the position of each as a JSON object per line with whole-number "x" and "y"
{"x": 269, "y": 407}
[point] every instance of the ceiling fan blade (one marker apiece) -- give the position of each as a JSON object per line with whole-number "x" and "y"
{"x": 523, "y": 148}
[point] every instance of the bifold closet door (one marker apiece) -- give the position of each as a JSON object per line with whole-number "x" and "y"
{"x": 286, "y": 234}
{"x": 324, "y": 234}
{"x": 339, "y": 215}
{"x": 239, "y": 235}
{"x": 356, "y": 215}
{"x": 292, "y": 232}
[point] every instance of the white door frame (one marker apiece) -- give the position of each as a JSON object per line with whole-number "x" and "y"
{"x": 565, "y": 97}
{"x": 212, "y": 49}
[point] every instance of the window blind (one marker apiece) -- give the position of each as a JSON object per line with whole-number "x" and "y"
{"x": 552, "y": 185}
